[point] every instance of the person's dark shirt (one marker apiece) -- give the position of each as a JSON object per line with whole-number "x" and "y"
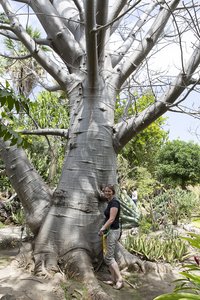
{"x": 112, "y": 203}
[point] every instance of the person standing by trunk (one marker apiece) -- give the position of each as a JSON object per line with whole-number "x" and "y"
{"x": 134, "y": 196}
{"x": 112, "y": 230}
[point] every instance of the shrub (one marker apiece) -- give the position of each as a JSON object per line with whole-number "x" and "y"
{"x": 174, "y": 205}
{"x": 163, "y": 248}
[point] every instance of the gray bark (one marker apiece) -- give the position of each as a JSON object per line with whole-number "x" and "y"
{"x": 31, "y": 189}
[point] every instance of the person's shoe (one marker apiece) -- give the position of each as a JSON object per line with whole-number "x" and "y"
{"x": 109, "y": 282}
{"x": 119, "y": 284}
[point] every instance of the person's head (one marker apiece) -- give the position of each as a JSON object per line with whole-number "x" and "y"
{"x": 109, "y": 191}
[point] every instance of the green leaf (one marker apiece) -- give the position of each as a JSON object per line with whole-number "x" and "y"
{"x": 11, "y": 102}
{"x": 7, "y": 136}
{"x": 194, "y": 278}
{"x": 17, "y": 106}
{"x": 181, "y": 296}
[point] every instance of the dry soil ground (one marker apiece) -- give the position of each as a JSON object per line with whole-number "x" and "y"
{"x": 18, "y": 284}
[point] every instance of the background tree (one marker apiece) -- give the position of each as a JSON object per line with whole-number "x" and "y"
{"x": 179, "y": 164}
{"x": 141, "y": 150}
{"x": 46, "y": 153}
{"x": 92, "y": 65}
{"x": 20, "y": 66}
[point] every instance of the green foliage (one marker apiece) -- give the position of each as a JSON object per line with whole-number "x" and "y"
{"x": 172, "y": 205}
{"x": 179, "y": 163}
{"x": 145, "y": 182}
{"x": 191, "y": 280}
{"x": 167, "y": 248}
{"x": 74, "y": 290}
{"x": 167, "y": 207}
{"x": 18, "y": 217}
{"x": 10, "y": 103}
{"x": 147, "y": 224}
{"x": 181, "y": 296}
{"x": 140, "y": 151}
{"x": 50, "y": 110}
{"x": 4, "y": 18}
{"x": 46, "y": 153}
{"x": 23, "y": 72}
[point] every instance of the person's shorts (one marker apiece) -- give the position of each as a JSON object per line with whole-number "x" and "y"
{"x": 111, "y": 242}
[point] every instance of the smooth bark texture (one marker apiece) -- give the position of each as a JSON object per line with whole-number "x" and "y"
{"x": 92, "y": 72}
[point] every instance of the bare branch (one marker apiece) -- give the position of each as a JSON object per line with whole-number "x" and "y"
{"x": 22, "y": 1}
{"x": 117, "y": 18}
{"x": 9, "y": 35}
{"x": 101, "y": 19}
{"x": 49, "y": 65}
{"x": 46, "y": 131}
{"x": 128, "y": 129}
{"x": 91, "y": 42}
{"x": 34, "y": 193}
{"x": 58, "y": 33}
{"x": 16, "y": 57}
{"x": 120, "y": 52}
{"x": 50, "y": 88}
{"x": 132, "y": 62}
{"x": 116, "y": 9}
{"x": 79, "y": 7}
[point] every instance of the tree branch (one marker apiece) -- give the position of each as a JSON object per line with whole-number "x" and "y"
{"x": 9, "y": 35}
{"x": 126, "y": 130}
{"x": 16, "y": 57}
{"x": 62, "y": 39}
{"x": 49, "y": 65}
{"x": 123, "y": 49}
{"x": 133, "y": 61}
{"x": 116, "y": 9}
{"x": 33, "y": 193}
{"x": 101, "y": 19}
{"x": 22, "y": 1}
{"x": 46, "y": 131}
{"x": 50, "y": 88}
{"x": 91, "y": 43}
{"x": 118, "y": 17}
{"x": 79, "y": 7}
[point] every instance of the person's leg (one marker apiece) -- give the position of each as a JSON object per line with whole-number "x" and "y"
{"x": 111, "y": 241}
{"x": 114, "y": 270}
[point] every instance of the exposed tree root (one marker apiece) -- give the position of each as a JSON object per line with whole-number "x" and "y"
{"x": 126, "y": 259}
{"x": 78, "y": 264}
{"x": 75, "y": 264}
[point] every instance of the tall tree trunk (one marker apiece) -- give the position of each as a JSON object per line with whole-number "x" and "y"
{"x": 76, "y": 213}
{"x": 67, "y": 223}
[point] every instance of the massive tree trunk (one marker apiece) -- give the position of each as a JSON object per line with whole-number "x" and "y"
{"x": 66, "y": 222}
{"x": 75, "y": 216}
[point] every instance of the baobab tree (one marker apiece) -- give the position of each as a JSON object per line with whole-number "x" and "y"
{"x": 98, "y": 48}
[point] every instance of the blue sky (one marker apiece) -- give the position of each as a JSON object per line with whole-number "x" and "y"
{"x": 182, "y": 126}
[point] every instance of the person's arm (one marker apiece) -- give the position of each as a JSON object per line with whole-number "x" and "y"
{"x": 113, "y": 214}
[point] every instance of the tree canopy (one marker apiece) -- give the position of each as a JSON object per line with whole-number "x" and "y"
{"x": 179, "y": 163}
